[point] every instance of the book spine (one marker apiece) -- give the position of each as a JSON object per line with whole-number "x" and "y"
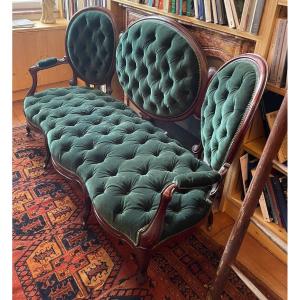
{"x": 243, "y": 22}
{"x": 276, "y": 54}
{"x": 281, "y": 202}
{"x": 167, "y": 5}
{"x": 180, "y": 7}
{"x": 214, "y": 11}
{"x": 188, "y": 8}
{"x": 250, "y": 14}
{"x": 177, "y": 6}
{"x": 201, "y": 10}
{"x": 244, "y": 171}
{"x": 264, "y": 209}
{"x": 234, "y": 13}
{"x": 196, "y": 9}
{"x": 173, "y": 6}
{"x": 208, "y": 12}
{"x": 221, "y": 12}
{"x": 229, "y": 14}
{"x": 275, "y": 209}
{"x": 282, "y": 59}
{"x": 268, "y": 203}
{"x": 257, "y": 16}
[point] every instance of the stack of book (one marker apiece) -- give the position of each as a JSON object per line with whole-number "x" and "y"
{"x": 273, "y": 200}
{"x": 244, "y": 15}
{"x": 277, "y": 57}
{"x": 70, "y": 7}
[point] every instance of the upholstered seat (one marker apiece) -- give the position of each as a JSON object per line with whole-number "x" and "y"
{"x": 123, "y": 160}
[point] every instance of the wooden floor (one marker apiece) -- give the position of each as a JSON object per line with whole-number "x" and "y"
{"x": 253, "y": 256}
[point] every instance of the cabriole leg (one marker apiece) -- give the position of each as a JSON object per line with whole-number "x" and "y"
{"x": 47, "y": 157}
{"x": 143, "y": 258}
{"x": 86, "y": 212}
{"x": 210, "y": 221}
{"x": 28, "y": 130}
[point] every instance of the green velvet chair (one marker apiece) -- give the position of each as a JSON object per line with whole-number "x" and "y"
{"x": 145, "y": 187}
{"x": 90, "y": 45}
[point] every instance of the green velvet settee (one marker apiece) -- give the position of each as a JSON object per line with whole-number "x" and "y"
{"x": 143, "y": 186}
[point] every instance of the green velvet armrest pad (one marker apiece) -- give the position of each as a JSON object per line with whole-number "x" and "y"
{"x": 197, "y": 179}
{"x": 48, "y": 62}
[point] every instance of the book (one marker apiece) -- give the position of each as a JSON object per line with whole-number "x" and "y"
{"x": 166, "y": 5}
{"x": 237, "y": 9}
{"x": 196, "y": 8}
{"x": 263, "y": 204}
{"x": 180, "y": 7}
{"x": 229, "y": 14}
{"x": 250, "y": 15}
{"x": 247, "y": 163}
{"x": 275, "y": 48}
{"x": 208, "y": 11}
{"x": 281, "y": 201}
{"x": 173, "y": 6}
{"x": 245, "y": 15}
{"x": 22, "y": 23}
{"x": 273, "y": 201}
{"x": 214, "y": 11}
{"x": 221, "y": 12}
{"x": 255, "y": 20}
{"x": 282, "y": 153}
{"x": 188, "y": 8}
{"x": 201, "y": 10}
{"x": 283, "y": 60}
{"x": 244, "y": 172}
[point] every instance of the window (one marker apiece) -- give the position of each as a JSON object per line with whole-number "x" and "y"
{"x": 26, "y": 5}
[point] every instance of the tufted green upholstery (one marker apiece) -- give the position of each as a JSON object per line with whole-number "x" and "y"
{"x": 90, "y": 44}
{"x": 226, "y": 100}
{"x": 158, "y": 68}
{"x": 44, "y": 63}
{"x": 124, "y": 161}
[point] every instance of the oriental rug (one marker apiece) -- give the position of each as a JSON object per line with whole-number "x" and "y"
{"x": 54, "y": 257}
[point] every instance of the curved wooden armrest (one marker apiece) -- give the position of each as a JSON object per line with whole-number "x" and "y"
{"x": 149, "y": 235}
{"x": 33, "y": 70}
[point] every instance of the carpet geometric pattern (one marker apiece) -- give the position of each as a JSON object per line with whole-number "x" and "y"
{"x": 54, "y": 257}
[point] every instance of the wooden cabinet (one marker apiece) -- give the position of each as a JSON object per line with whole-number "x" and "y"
{"x": 33, "y": 44}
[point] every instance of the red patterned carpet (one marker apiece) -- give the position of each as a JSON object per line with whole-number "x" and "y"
{"x": 55, "y": 258}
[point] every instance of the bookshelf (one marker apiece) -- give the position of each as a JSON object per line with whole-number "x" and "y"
{"x": 220, "y": 43}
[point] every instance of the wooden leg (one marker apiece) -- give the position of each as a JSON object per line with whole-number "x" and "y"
{"x": 87, "y": 212}
{"x": 210, "y": 221}
{"x": 47, "y": 157}
{"x": 143, "y": 258}
{"x": 28, "y": 130}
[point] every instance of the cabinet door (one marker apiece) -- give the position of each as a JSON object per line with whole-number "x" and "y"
{"x": 29, "y": 46}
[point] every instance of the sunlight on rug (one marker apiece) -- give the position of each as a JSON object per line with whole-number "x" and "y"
{"x": 55, "y": 258}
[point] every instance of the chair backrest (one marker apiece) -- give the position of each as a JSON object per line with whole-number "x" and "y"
{"x": 231, "y": 100}
{"x": 90, "y": 45}
{"x": 161, "y": 68}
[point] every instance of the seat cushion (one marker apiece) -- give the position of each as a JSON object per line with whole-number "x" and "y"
{"x": 124, "y": 161}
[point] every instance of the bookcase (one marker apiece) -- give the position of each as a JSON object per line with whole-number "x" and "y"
{"x": 220, "y": 43}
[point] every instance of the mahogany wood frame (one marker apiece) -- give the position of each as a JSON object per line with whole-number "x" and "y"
{"x": 148, "y": 238}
